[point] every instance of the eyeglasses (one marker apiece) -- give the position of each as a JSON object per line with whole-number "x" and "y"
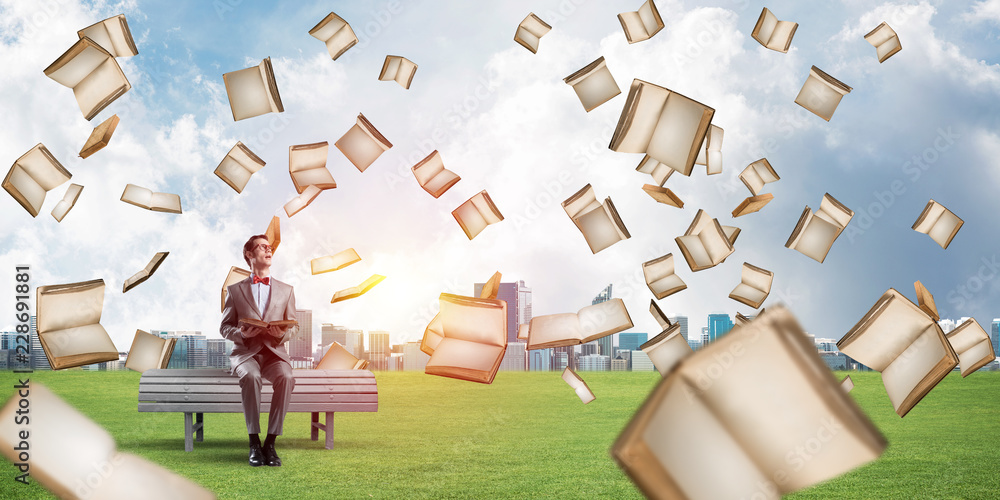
{"x": 264, "y": 246}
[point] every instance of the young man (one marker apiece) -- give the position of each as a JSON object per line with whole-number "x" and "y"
{"x": 258, "y": 351}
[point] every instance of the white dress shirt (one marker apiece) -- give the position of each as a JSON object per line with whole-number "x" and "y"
{"x": 261, "y": 294}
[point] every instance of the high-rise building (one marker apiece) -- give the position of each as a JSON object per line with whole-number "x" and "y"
{"x": 718, "y": 325}
{"x": 518, "y": 298}
{"x": 605, "y": 343}
{"x": 704, "y": 335}
{"x": 218, "y": 353}
{"x": 197, "y": 349}
{"x": 300, "y": 345}
{"x": 540, "y": 360}
{"x": 595, "y": 363}
{"x": 619, "y": 364}
{"x": 413, "y": 358}
{"x": 350, "y": 339}
{"x": 514, "y": 359}
{"x": 995, "y": 336}
{"x": 38, "y": 359}
{"x": 683, "y": 321}
{"x": 560, "y": 358}
{"x": 378, "y": 350}
{"x": 641, "y": 362}
{"x": 630, "y": 341}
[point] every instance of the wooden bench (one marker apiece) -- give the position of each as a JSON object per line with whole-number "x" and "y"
{"x": 196, "y": 392}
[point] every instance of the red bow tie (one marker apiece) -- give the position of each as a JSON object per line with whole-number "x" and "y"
{"x": 266, "y": 281}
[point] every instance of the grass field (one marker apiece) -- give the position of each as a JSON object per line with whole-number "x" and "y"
{"x": 525, "y": 436}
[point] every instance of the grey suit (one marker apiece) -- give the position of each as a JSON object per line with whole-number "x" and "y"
{"x": 261, "y": 355}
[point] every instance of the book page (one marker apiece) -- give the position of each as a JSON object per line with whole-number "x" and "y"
{"x": 306, "y": 157}
{"x": 72, "y": 71}
{"x": 470, "y": 219}
{"x": 602, "y": 319}
{"x": 247, "y": 93}
{"x": 756, "y": 277}
{"x": 781, "y": 35}
{"x": 884, "y": 50}
{"x": 462, "y": 354}
{"x": 165, "y": 202}
{"x": 359, "y": 147}
{"x": 390, "y": 68}
{"x": 966, "y": 336}
{"x": 833, "y": 211}
{"x": 819, "y": 97}
{"x": 428, "y": 168}
{"x": 137, "y": 195}
{"x": 79, "y": 340}
{"x": 693, "y": 247}
{"x": 71, "y": 305}
{"x": 563, "y": 329}
{"x": 19, "y": 181}
{"x": 945, "y": 226}
{"x": 583, "y": 201}
{"x": 658, "y": 268}
{"x": 474, "y": 320}
{"x": 635, "y": 29}
{"x": 99, "y": 85}
{"x": 749, "y": 293}
{"x": 319, "y": 177}
{"x": 667, "y": 285}
{"x": 535, "y": 25}
{"x": 234, "y": 172}
{"x": 43, "y": 168}
{"x": 99, "y": 34}
{"x": 527, "y": 38}
{"x": 486, "y": 209}
{"x": 121, "y": 40}
{"x": 765, "y": 27}
{"x": 433, "y": 335}
{"x": 679, "y": 132}
{"x": 146, "y": 351}
{"x": 441, "y": 182}
{"x": 650, "y": 18}
{"x": 970, "y": 358}
{"x": 877, "y": 343}
{"x": 639, "y": 117}
{"x": 716, "y": 244}
{"x": 598, "y": 229}
{"x": 902, "y": 376}
{"x": 817, "y": 238}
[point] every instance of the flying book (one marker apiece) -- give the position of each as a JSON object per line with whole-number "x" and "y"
{"x": 885, "y": 41}
{"x": 93, "y": 74}
{"x": 530, "y": 31}
{"x": 972, "y": 345}
{"x": 149, "y": 352}
{"x": 593, "y": 84}
{"x": 253, "y": 91}
{"x": 145, "y": 198}
{"x": 754, "y": 287}
{"x": 466, "y": 339}
{"x": 99, "y": 137}
{"x": 295, "y": 205}
{"x": 657, "y": 170}
{"x": 145, "y": 273}
{"x": 705, "y": 244}
{"x": 925, "y": 301}
{"x": 491, "y": 287}
{"x": 266, "y": 325}
{"x": 69, "y": 451}
{"x": 336, "y": 34}
{"x": 757, "y": 174}
{"x": 599, "y": 222}
{"x": 432, "y": 176}
{"x": 237, "y": 167}
{"x": 815, "y": 232}
{"x": 710, "y": 155}
{"x": 660, "y": 277}
{"x": 773, "y": 397}
{"x": 667, "y": 349}
{"x": 273, "y": 233}
{"x": 579, "y": 386}
{"x": 821, "y": 93}
{"x": 307, "y": 166}
{"x": 234, "y": 276}
{"x": 398, "y": 69}
{"x": 663, "y": 195}
{"x": 902, "y": 342}
{"x": 68, "y": 201}
{"x": 32, "y": 175}
{"x": 752, "y": 204}
{"x": 568, "y": 329}
{"x": 113, "y": 35}
{"x": 363, "y": 144}
{"x": 69, "y": 324}
{"x": 741, "y": 320}
{"x": 522, "y": 331}
{"x": 642, "y": 24}
{"x": 668, "y": 127}
{"x": 657, "y": 313}
{"x": 939, "y": 223}
{"x": 334, "y": 262}
{"x": 847, "y": 384}
{"x": 772, "y": 33}
{"x": 339, "y": 358}
{"x": 357, "y": 291}
{"x": 477, "y": 213}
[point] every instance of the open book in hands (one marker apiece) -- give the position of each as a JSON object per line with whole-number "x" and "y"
{"x": 266, "y": 326}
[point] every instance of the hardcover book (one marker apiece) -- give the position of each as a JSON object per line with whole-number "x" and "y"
{"x": 93, "y": 74}
{"x": 642, "y": 24}
{"x": 593, "y": 84}
{"x": 579, "y": 386}
{"x": 99, "y": 137}
{"x": 67, "y": 202}
{"x": 815, "y": 232}
{"x": 667, "y": 349}
{"x": 339, "y": 358}
{"x": 239, "y": 164}
{"x": 598, "y": 222}
{"x": 336, "y": 33}
{"x": 660, "y": 277}
{"x": 334, "y": 262}
{"x": 113, "y": 35}
{"x": 772, "y": 33}
{"x": 466, "y": 339}
{"x": 398, "y": 69}
{"x": 885, "y": 41}
{"x": 568, "y": 329}
{"x": 69, "y": 324}
{"x": 476, "y": 213}
{"x": 754, "y": 287}
{"x": 821, "y": 93}
{"x": 146, "y": 198}
{"x": 307, "y": 166}
{"x": 363, "y": 144}
{"x": 432, "y": 176}
{"x": 530, "y": 31}
{"x": 357, "y": 291}
{"x": 253, "y": 91}
{"x": 145, "y": 273}
{"x": 149, "y": 352}
{"x": 706, "y": 244}
{"x": 939, "y": 223}
{"x": 32, "y": 175}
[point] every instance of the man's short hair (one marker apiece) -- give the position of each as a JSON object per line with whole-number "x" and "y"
{"x": 248, "y": 246}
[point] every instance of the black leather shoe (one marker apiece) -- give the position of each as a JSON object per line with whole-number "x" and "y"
{"x": 257, "y": 456}
{"x": 271, "y": 457}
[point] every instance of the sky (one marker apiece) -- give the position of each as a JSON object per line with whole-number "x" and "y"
{"x": 922, "y": 125}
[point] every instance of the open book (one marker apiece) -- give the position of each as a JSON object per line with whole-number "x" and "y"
{"x": 295, "y": 205}
{"x": 660, "y": 277}
{"x": 266, "y": 325}
{"x": 775, "y": 395}
{"x": 477, "y": 213}
{"x": 491, "y": 287}
{"x": 667, "y": 349}
{"x": 113, "y": 35}
{"x": 885, "y": 41}
{"x": 466, "y": 339}
{"x": 972, "y": 345}
{"x": 821, "y": 93}
{"x": 432, "y": 176}
{"x": 530, "y": 31}
{"x": 145, "y": 198}
{"x": 705, "y": 244}
{"x": 253, "y": 91}
{"x": 939, "y": 223}
{"x": 398, "y": 69}
{"x": 237, "y": 167}
{"x": 657, "y": 170}
{"x": 307, "y": 166}
{"x": 69, "y": 324}
{"x": 93, "y": 74}
{"x": 67, "y": 202}
{"x": 145, "y": 273}
{"x": 754, "y": 287}
{"x": 273, "y": 233}
{"x": 741, "y": 320}
{"x": 68, "y": 450}
{"x": 657, "y": 313}
{"x": 99, "y": 137}
{"x": 335, "y": 33}
{"x": 772, "y": 33}
{"x": 815, "y": 232}
{"x": 234, "y": 276}
{"x": 149, "y": 352}
{"x": 710, "y": 154}
{"x": 363, "y": 144}
{"x": 599, "y": 222}
{"x": 334, "y": 262}
{"x": 847, "y": 384}
{"x": 642, "y": 24}
{"x": 593, "y": 84}
{"x": 757, "y": 174}
{"x": 32, "y": 175}
{"x": 579, "y": 386}
{"x": 590, "y": 323}
{"x": 339, "y": 358}
{"x": 665, "y": 125}
{"x": 925, "y": 301}
{"x": 898, "y": 339}
{"x": 357, "y": 291}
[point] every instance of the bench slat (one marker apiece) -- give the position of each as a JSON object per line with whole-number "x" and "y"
{"x": 299, "y": 373}
{"x": 264, "y": 407}
{"x": 233, "y": 380}
{"x": 265, "y": 397}
{"x": 235, "y": 389}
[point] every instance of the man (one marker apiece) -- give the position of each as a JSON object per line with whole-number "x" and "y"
{"x": 260, "y": 351}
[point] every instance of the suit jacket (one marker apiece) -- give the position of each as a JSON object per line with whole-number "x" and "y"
{"x": 240, "y": 304}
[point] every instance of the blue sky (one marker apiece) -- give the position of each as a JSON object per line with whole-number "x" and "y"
{"x": 503, "y": 119}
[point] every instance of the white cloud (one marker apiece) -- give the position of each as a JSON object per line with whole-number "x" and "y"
{"x": 985, "y": 10}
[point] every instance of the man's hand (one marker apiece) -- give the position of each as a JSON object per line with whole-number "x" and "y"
{"x": 250, "y": 331}
{"x": 277, "y": 331}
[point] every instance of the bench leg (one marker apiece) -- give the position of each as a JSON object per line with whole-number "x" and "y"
{"x": 329, "y": 430}
{"x": 200, "y": 433}
{"x": 188, "y": 423}
{"x": 313, "y": 431}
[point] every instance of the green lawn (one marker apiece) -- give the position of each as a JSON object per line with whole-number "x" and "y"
{"x": 526, "y": 435}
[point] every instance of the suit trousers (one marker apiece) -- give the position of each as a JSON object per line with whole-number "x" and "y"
{"x": 279, "y": 373}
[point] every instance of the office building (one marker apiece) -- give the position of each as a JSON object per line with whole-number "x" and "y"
{"x": 540, "y": 360}
{"x": 38, "y": 359}
{"x": 630, "y": 341}
{"x": 350, "y": 339}
{"x": 560, "y": 359}
{"x": 605, "y": 343}
{"x": 641, "y": 362}
{"x": 719, "y": 324}
{"x": 595, "y": 363}
{"x": 518, "y": 298}
{"x": 413, "y": 358}
{"x": 995, "y": 336}
{"x": 514, "y": 359}
{"x": 683, "y": 321}
{"x": 300, "y": 345}
{"x": 378, "y": 350}
{"x": 619, "y": 364}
